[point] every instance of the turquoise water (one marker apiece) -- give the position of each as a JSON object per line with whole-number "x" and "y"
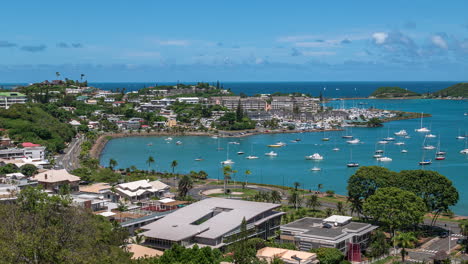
{"x": 290, "y": 165}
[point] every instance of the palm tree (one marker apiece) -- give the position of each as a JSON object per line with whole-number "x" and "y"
{"x": 296, "y": 185}
{"x": 295, "y": 199}
{"x": 81, "y": 77}
{"x": 112, "y": 164}
{"x": 227, "y": 171}
{"x": 405, "y": 240}
{"x": 319, "y": 187}
{"x": 185, "y": 184}
{"x": 57, "y": 74}
{"x": 247, "y": 173}
{"x": 313, "y": 202}
{"x": 340, "y": 208}
{"x": 464, "y": 231}
{"x": 138, "y": 239}
{"x": 173, "y": 165}
{"x": 275, "y": 196}
{"x": 150, "y": 161}
{"x": 328, "y": 212}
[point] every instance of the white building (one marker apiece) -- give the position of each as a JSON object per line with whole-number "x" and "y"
{"x": 141, "y": 190}
{"x": 189, "y": 100}
{"x": 9, "y": 98}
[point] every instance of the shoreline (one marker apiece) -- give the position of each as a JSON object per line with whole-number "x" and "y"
{"x": 101, "y": 142}
{"x": 393, "y": 98}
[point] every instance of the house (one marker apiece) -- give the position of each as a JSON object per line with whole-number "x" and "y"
{"x": 100, "y": 188}
{"x": 74, "y": 123}
{"x": 109, "y": 100}
{"x": 5, "y": 141}
{"x": 213, "y": 222}
{"x": 286, "y": 255}
{"x": 163, "y": 205}
{"x": 91, "y": 101}
{"x": 35, "y": 153}
{"x": 94, "y": 202}
{"x": 53, "y": 180}
{"x": 9, "y": 98}
{"x": 82, "y": 98}
{"x": 29, "y": 145}
{"x": 118, "y": 103}
{"x": 335, "y": 231}
{"x": 140, "y": 251}
{"x": 141, "y": 190}
{"x": 189, "y": 100}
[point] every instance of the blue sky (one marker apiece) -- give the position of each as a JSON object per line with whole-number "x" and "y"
{"x": 149, "y": 40}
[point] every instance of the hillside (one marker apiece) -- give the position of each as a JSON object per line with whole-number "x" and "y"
{"x": 392, "y": 92}
{"x": 457, "y": 90}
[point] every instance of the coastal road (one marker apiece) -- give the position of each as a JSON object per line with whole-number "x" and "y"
{"x": 69, "y": 160}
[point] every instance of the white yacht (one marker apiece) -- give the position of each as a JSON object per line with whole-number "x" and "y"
{"x": 431, "y": 136}
{"x": 422, "y": 129}
{"x": 401, "y": 133}
{"x": 464, "y": 151}
{"x": 227, "y": 162}
{"x": 251, "y": 157}
{"x": 399, "y": 143}
{"x": 383, "y": 142}
{"x": 336, "y": 149}
{"x": 389, "y": 139}
{"x": 316, "y": 169}
{"x": 384, "y": 159}
{"x": 377, "y": 156}
{"x": 354, "y": 141}
{"x": 404, "y": 151}
{"x": 314, "y": 156}
{"x": 271, "y": 154}
{"x": 179, "y": 143}
{"x": 234, "y": 143}
{"x": 168, "y": 139}
{"x": 429, "y": 147}
{"x": 240, "y": 153}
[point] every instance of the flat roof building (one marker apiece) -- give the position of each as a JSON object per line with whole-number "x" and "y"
{"x": 335, "y": 231}
{"x": 9, "y": 98}
{"x": 286, "y": 255}
{"x": 213, "y": 222}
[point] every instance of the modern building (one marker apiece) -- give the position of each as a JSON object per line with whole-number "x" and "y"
{"x": 9, "y": 98}
{"x": 35, "y": 153}
{"x": 213, "y": 222}
{"x": 286, "y": 255}
{"x": 53, "y": 180}
{"x": 335, "y": 231}
{"x": 141, "y": 190}
{"x": 189, "y": 100}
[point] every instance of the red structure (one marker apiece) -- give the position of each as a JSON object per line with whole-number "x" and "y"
{"x": 354, "y": 252}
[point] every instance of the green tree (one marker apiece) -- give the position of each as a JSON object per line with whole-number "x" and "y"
{"x": 405, "y": 240}
{"x": 28, "y": 170}
{"x": 242, "y": 253}
{"x": 463, "y": 224}
{"x": 329, "y": 255}
{"x": 395, "y": 208}
{"x": 185, "y": 184}
{"x": 150, "y": 161}
{"x": 313, "y": 202}
{"x": 319, "y": 187}
{"x": 379, "y": 245}
{"x": 275, "y": 196}
{"x": 239, "y": 112}
{"x": 174, "y": 164}
{"x": 328, "y": 211}
{"x": 227, "y": 171}
{"x": 296, "y": 185}
{"x": 121, "y": 207}
{"x": 295, "y": 199}
{"x": 46, "y": 229}
{"x": 340, "y": 208}
{"x": 112, "y": 164}
{"x": 364, "y": 183}
{"x": 437, "y": 192}
{"x": 247, "y": 173}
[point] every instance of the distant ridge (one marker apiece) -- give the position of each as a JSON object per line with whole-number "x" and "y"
{"x": 392, "y": 92}
{"x": 457, "y": 90}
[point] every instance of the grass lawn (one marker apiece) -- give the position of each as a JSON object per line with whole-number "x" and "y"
{"x": 245, "y": 193}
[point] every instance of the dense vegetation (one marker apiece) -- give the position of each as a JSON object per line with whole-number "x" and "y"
{"x": 30, "y": 122}
{"x": 235, "y": 121}
{"x": 457, "y": 90}
{"x": 46, "y": 229}
{"x": 392, "y": 92}
{"x": 376, "y": 191}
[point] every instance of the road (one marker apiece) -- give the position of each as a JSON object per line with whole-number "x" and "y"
{"x": 69, "y": 160}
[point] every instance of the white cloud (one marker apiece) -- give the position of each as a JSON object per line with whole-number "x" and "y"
{"x": 380, "y": 37}
{"x": 318, "y": 53}
{"x": 439, "y": 41}
{"x": 146, "y": 54}
{"x": 173, "y": 42}
{"x": 296, "y": 38}
{"x": 316, "y": 44}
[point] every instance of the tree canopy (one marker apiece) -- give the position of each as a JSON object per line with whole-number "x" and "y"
{"x": 395, "y": 208}
{"x": 47, "y": 229}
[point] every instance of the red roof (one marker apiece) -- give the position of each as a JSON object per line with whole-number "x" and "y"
{"x": 144, "y": 126}
{"x": 119, "y": 102}
{"x": 29, "y": 144}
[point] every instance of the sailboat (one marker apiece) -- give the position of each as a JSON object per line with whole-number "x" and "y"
{"x": 352, "y": 164}
{"x": 465, "y": 150}
{"x": 227, "y": 161}
{"x": 251, "y": 156}
{"x": 424, "y": 161}
{"x": 346, "y": 134}
{"x": 422, "y": 129}
{"x": 459, "y": 135}
{"x": 219, "y": 147}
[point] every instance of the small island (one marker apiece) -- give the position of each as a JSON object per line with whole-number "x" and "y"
{"x": 457, "y": 90}
{"x": 393, "y": 92}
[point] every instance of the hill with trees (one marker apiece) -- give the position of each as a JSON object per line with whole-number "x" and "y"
{"x": 393, "y": 92}
{"x": 457, "y": 90}
{"x": 33, "y": 123}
